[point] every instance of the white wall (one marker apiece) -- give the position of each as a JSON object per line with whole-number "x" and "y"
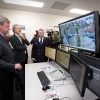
{"x": 32, "y": 21}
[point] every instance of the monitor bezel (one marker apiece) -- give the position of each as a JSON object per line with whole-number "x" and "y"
{"x": 93, "y": 90}
{"x": 97, "y": 41}
{"x": 95, "y": 71}
{"x": 84, "y": 85}
{"x": 66, "y": 69}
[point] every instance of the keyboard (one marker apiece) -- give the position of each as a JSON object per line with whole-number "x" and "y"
{"x": 43, "y": 78}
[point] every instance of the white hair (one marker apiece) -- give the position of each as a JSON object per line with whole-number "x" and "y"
{"x": 3, "y": 19}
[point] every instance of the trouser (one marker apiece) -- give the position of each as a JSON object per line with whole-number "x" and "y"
{"x": 20, "y": 80}
{"x": 6, "y": 90}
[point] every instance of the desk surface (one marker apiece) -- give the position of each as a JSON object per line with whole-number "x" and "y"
{"x": 66, "y": 88}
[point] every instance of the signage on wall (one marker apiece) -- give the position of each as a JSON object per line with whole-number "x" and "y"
{"x": 23, "y": 30}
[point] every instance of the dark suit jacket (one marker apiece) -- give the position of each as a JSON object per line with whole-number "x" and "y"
{"x": 38, "y": 51}
{"x": 19, "y": 48}
{"x": 7, "y": 66}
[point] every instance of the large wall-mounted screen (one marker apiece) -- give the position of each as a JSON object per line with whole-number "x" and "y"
{"x": 81, "y": 32}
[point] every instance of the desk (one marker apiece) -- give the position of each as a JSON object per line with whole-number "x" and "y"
{"x": 33, "y": 87}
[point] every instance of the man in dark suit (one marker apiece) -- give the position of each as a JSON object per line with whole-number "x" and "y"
{"x": 20, "y": 43}
{"x": 7, "y": 66}
{"x": 39, "y": 44}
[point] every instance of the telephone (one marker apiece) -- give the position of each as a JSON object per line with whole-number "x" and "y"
{"x": 58, "y": 75}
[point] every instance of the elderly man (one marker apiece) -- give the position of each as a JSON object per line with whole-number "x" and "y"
{"x": 39, "y": 44}
{"x": 7, "y": 66}
{"x": 20, "y": 43}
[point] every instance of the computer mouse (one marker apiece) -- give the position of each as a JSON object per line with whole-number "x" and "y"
{"x": 45, "y": 88}
{"x": 55, "y": 98}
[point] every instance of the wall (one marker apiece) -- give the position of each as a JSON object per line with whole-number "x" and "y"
{"x": 32, "y": 21}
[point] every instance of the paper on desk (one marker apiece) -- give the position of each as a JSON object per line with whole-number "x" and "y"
{"x": 47, "y": 69}
{"x": 52, "y": 92}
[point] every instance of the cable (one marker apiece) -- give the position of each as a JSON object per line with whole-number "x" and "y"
{"x": 64, "y": 98}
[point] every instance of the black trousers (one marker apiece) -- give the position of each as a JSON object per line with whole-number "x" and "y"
{"x": 6, "y": 90}
{"x": 20, "y": 80}
{"x": 21, "y": 74}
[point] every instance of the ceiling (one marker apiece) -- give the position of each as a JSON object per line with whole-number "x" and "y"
{"x": 57, "y": 7}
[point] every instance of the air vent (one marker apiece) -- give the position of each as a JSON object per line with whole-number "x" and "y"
{"x": 59, "y": 5}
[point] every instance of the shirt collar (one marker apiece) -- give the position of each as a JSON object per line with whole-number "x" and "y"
{"x": 17, "y": 35}
{"x": 1, "y": 34}
{"x": 40, "y": 39}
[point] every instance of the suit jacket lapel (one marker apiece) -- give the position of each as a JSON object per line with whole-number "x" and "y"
{"x": 6, "y": 43}
{"x": 38, "y": 41}
{"x": 17, "y": 39}
{"x": 44, "y": 40}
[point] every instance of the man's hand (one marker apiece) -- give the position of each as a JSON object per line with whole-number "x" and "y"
{"x": 33, "y": 59}
{"x": 26, "y": 45}
{"x": 18, "y": 66}
{"x": 21, "y": 35}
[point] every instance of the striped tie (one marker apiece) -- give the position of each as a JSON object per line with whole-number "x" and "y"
{"x": 20, "y": 39}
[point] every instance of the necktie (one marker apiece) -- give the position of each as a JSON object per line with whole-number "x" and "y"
{"x": 20, "y": 39}
{"x": 41, "y": 41}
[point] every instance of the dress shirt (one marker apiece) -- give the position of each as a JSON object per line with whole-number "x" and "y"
{"x": 19, "y": 37}
{"x": 40, "y": 39}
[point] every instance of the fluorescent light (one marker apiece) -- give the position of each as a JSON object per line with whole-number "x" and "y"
{"x": 25, "y": 3}
{"x": 79, "y": 11}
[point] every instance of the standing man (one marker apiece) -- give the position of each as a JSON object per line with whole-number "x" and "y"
{"x": 7, "y": 66}
{"x": 39, "y": 44}
{"x": 20, "y": 43}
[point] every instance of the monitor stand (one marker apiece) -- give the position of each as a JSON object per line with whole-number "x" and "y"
{"x": 81, "y": 54}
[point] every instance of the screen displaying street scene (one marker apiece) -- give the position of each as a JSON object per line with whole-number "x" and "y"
{"x": 79, "y": 33}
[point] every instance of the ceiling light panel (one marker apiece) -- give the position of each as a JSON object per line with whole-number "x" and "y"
{"x": 79, "y": 11}
{"x": 25, "y": 3}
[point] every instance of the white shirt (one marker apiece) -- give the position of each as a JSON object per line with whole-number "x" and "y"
{"x": 40, "y": 39}
{"x": 17, "y": 35}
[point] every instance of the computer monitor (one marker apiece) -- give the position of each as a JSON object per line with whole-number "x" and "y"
{"x": 82, "y": 32}
{"x": 79, "y": 73}
{"x": 63, "y": 58}
{"x": 94, "y": 79}
{"x": 94, "y": 83}
{"x": 50, "y": 52}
